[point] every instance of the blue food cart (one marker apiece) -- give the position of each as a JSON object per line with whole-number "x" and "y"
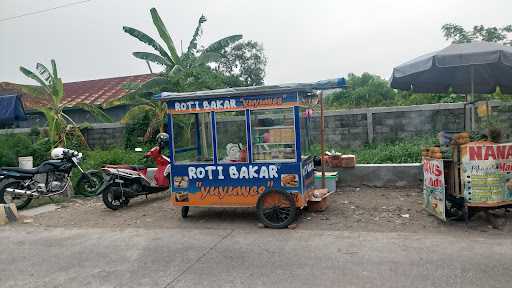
{"x": 244, "y": 147}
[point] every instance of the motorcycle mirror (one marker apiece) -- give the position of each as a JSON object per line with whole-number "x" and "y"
{"x": 138, "y": 149}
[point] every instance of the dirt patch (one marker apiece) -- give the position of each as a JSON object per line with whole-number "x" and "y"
{"x": 350, "y": 209}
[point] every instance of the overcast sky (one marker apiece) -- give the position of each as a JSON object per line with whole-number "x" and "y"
{"x": 303, "y": 40}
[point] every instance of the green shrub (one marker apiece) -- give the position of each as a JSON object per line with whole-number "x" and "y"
{"x": 13, "y": 146}
{"x": 95, "y": 159}
{"x": 396, "y": 151}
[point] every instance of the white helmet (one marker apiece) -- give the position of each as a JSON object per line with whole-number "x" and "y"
{"x": 57, "y": 153}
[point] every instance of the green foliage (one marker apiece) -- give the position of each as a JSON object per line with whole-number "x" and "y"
{"x": 458, "y": 34}
{"x": 13, "y": 146}
{"x": 397, "y": 151}
{"x": 95, "y": 159}
{"x": 61, "y": 128}
{"x": 187, "y": 72}
{"x": 245, "y": 61}
{"x": 169, "y": 59}
{"x": 370, "y": 90}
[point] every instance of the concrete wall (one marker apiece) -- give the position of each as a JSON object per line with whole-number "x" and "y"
{"x": 355, "y": 127}
{"x": 381, "y": 175}
{"x": 346, "y": 128}
{"x": 105, "y": 135}
{"x": 99, "y": 135}
{"x": 37, "y": 119}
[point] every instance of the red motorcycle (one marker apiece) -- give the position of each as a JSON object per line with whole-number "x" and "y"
{"x": 123, "y": 182}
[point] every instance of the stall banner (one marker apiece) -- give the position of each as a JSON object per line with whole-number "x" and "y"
{"x": 487, "y": 173}
{"x": 233, "y": 103}
{"x": 433, "y": 187}
{"x": 231, "y": 184}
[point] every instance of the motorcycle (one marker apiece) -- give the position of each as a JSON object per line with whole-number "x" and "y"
{"x": 22, "y": 185}
{"x": 122, "y": 183}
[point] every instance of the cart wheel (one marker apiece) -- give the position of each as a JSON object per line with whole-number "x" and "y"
{"x": 276, "y": 209}
{"x": 184, "y": 211}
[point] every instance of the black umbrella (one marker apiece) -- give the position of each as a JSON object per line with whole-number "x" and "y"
{"x": 476, "y": 67}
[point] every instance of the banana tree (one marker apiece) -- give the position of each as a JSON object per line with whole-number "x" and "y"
{"x": 51, "y": 90}
{"x": 179, "y": 71}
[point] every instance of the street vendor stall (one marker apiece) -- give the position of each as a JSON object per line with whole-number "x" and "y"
{"x": 244, "y": 147}
{"x": 474, "y": 176}
{"x": 465, "y": 172}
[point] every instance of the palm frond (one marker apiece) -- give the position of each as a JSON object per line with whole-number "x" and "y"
{"x": 164, "y": 34}
{"x": 192, "y": 46}
{"x": 43, "y": 71}
{"x": 153, "y": 58}
{"x": 34, "y": 77}
{"x": 135, "y": 97}
{"x": 131, "y": 98}
{"x": 146, "y": 39}
{"x": 135, "y": 112}
{"x": 95, "y": 111}
{"x": 207, "y": 57}
{"x": 54, "y": 69}
{"x": 36, "y": 91}
{"x": 225, "y": 42}
{"x": 57, "y": 91}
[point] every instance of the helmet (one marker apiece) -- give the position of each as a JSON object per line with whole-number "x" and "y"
{"x": 57, "y": 153}
{"x": 61, "y": 153}
{"x": 162, "y": 139}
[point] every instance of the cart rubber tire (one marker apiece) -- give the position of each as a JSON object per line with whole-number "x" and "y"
{"x": 184, "y": 211}
{"x": 276, "y": 217}
{"x": 14, "y": 184}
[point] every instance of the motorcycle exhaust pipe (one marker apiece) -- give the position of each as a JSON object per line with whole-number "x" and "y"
{"x": 21, "y": 192}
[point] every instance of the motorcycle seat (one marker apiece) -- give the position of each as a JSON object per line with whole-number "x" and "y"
{"x": 30, "y": 171}
{"x": 125, "y": 166}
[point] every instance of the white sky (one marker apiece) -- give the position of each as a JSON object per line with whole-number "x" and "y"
{"x": 303, "y": 40}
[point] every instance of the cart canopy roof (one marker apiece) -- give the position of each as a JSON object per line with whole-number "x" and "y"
{"x": 255, "y": 90}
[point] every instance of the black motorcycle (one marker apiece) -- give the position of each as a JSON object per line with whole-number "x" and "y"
{"x": 51, "y": 178}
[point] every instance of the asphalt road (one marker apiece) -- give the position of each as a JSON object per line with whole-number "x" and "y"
{"x": 87, "y": 257}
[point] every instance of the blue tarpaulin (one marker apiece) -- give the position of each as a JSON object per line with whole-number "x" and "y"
{"x": 11, "y": 109}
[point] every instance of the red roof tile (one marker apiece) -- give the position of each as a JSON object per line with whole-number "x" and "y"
{"x": 96, "y": 92}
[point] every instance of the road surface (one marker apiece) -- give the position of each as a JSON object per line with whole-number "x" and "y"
{"x": 134, "y": 257}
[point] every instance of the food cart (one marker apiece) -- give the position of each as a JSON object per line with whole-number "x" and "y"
{"x": 244, "y": 147}
{"x": 476, "y": 176}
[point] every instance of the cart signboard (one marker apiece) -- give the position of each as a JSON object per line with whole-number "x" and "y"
{"x": 233, "y": 184}
{"x": 234, "y": 103}
{"x": 487, "y": 173}
{"x": 433, "y": 187}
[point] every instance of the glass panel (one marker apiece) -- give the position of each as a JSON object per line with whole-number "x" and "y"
{"x": 185, "y": 138}
{"x": 306, "y": 141}
{"x": 273, "y": 134}
{"x": 231, "y": 137}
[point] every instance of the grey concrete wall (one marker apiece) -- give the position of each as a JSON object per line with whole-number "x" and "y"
{"x": 344, "y": 129}
{"x": 355, "y": 127}
{"x": 37, "y": 119}
{"x": 381, "y": 175}
{"x": 99, "y": 135}
{"x": 105, "y": 135}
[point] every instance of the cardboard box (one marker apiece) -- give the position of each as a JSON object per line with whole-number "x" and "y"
{"x": 348, "y": 161}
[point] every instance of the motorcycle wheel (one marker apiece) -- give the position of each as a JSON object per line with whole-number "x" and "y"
{"x": 89, "y": 183}
{"x": 112, "y": 203}
{"x": 21, "y": 201}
